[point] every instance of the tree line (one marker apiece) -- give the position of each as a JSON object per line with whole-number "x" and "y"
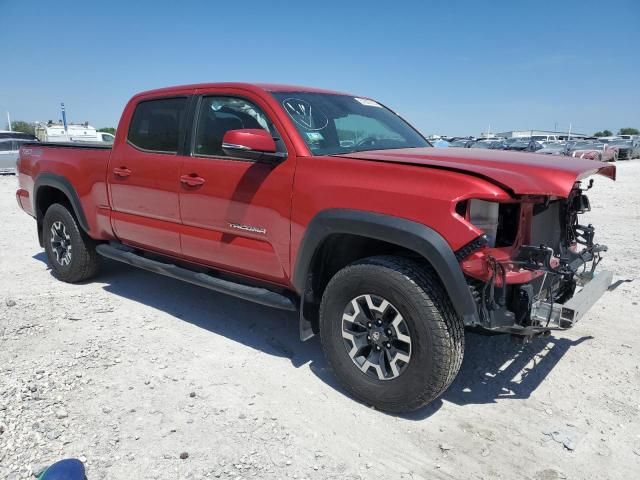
{"x": 622, "y": 131}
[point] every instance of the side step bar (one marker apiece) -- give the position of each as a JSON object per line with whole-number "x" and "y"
{"x": 246, "y": 292}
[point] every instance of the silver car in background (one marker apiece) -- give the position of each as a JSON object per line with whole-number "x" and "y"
{"x": 9, "y": 147}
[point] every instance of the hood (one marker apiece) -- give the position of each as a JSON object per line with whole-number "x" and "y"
{"x": 518, "y": 172}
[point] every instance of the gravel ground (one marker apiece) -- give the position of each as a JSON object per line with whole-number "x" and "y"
{"x": 134, "y": 371}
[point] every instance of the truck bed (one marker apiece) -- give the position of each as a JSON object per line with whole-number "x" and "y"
{"x": 77, "y": 168}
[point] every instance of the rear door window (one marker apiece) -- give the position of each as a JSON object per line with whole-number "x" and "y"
{"x": 156, "y": 125}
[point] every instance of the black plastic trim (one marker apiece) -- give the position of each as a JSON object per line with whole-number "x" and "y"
{"x": 405, "y": 233}
{"x": 62, "y": 184}
{"x": 475, "y": 244}
{"x": 246, "y": 292}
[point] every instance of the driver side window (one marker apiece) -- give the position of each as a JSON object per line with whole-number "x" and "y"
{"x": 218, "y": 115}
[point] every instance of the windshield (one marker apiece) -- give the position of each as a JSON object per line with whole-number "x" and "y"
{"x": 333, "y": 124}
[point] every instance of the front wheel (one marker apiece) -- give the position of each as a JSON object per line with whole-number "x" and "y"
{"x": 72, "y": 255}
{"x": 390, "y": 333}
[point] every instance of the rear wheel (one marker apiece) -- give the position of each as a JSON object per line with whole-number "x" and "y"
{"x": 390, "y": 333}
{"x": 71, "y": 253}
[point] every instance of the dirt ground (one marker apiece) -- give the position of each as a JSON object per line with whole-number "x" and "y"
{"x": 132, "y": 370}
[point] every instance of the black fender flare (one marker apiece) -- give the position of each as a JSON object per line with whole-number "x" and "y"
{"x": 405, "y": 233}
{"x": 62, "y": 184}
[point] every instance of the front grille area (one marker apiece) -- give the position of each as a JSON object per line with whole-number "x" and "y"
{"x": 624, "y": 154}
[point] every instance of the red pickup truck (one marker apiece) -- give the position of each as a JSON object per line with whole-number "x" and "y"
{"x": 334, "y": 206}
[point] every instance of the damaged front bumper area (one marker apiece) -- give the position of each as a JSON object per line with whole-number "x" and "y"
{"x": 546, "y": 278}
{"x": 566, "y": 315}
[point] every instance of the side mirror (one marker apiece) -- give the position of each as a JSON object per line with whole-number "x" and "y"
{"x": 252, "y": 144}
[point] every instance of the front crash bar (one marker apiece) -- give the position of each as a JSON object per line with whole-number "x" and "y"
{"x": 569, "y": 313}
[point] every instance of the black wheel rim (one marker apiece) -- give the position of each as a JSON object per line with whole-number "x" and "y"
{"x": 376, "y": 337}
{"x": 60, "y": 243}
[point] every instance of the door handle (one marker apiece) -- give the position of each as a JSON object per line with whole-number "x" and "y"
{"x": 192, "y": 180}
{"x": 121, "y": 172}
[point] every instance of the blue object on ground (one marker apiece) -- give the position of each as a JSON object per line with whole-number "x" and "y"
{"x": 68, "y": 469}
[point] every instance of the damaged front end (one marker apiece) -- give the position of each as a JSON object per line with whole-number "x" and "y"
{"x": 534, "y": 268}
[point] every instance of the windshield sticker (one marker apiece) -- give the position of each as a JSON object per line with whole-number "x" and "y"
{"x": 302, "y": 113}
{"x": 366, "y": 102}
{"x": 314, "y": 137}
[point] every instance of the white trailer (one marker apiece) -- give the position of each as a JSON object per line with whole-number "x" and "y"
{"x": 55, "y": 132}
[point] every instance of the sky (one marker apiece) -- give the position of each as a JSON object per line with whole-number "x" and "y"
{"x": 449, "y": 67}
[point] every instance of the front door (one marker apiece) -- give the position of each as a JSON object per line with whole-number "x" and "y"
{"x": 143, "y": 176}
{"x": 238, "y": 218}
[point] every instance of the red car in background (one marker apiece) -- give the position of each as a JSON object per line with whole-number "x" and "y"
{"x": 598, "y": 151}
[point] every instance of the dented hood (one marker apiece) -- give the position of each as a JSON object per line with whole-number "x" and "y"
{"x": 520, "y": 173}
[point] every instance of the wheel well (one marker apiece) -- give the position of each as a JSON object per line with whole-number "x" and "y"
{"x": 336, "y": 252}
{"x": 47, "y": 196}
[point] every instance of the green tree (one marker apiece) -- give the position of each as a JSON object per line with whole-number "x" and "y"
{"x": 24, "y": 127}
{"x": 603, "y": 133}
{"x": 629, "y": 131}
{"x": 110, "y": 130}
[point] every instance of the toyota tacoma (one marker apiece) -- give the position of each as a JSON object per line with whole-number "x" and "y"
{"x": 333, "y": 206}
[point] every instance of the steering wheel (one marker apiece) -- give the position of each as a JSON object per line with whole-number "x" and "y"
{"x": 367, "y": 141}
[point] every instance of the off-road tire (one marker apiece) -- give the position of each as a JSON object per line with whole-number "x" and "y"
{"x": 437, "y": 333}
{"x": 83, "y": 262}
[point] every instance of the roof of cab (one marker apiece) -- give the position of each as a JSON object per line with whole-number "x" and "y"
{"x": 266, "y": 87}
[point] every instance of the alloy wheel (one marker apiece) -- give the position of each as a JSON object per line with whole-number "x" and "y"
{"x": 376, "y": 337}
{"x": 61, "y": 243}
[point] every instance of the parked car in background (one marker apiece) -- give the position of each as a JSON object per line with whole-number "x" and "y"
{"x": 440, "y": 143}
{"x": 594, "y": 151}
{"x": 522, "y": 144}
{"x": 544, "y": 138}
{"x": 625, "y": 148}
{"x": 488, "y": 144}
{"x": 554, "y": 148}
{"x": 606, "y": 139}
{"x": 9, "y": 148}
{"x": 461, "y": 142}
{"x": 106, "y": 137}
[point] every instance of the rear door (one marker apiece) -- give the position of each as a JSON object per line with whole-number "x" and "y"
{"x": 143, "y": 174}
{"x": 238, "y": 218}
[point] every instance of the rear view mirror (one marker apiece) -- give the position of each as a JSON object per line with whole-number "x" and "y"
{"x": 253, "y": 144}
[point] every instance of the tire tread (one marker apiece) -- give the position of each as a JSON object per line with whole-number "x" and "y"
{"x": 426, "y": 290}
